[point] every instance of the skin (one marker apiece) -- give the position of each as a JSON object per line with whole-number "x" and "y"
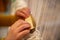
{"x": 20, "y": 28}
{"x": 25, "y": 12}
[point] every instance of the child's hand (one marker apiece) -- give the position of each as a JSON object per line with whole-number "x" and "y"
{"x": 25, "y": 12}
{"x": 18, "y": 30}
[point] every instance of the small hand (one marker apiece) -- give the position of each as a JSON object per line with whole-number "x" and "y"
{"x": 25, "y": 12}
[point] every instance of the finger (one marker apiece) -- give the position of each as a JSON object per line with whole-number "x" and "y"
{"x": 18, "y": 23}
{"x": 20, "y": 14}
{"x": 23, "y": 27}
{"x": 26, "y": 11}
{"x": 23, "y": 33}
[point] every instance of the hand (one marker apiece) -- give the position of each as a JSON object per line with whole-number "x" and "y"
{"x": 18, "y": 30}
{"x": 25, "y": 12}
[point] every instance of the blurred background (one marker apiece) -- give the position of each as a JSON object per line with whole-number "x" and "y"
{"x": 5, "y": 6}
